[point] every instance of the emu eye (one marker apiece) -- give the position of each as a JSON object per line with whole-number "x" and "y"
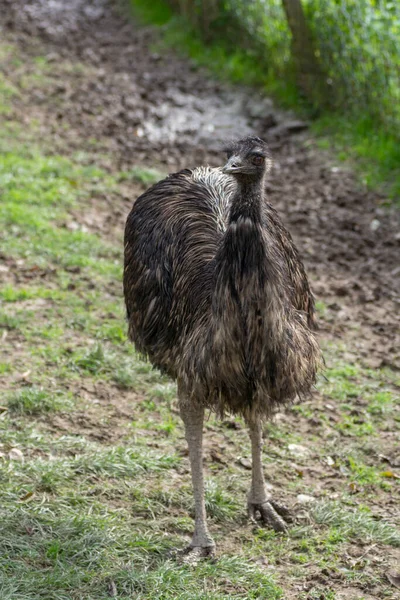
{"x": 257, "y": 160}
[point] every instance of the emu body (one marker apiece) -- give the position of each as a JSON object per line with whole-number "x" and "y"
{"x": 217, "y": 298}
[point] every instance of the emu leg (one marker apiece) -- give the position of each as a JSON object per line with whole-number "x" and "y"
{"x": 258, "y": 501}
{"x": 193, "y": 416}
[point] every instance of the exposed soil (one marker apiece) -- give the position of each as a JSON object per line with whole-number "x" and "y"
{"x": 140, "y": 105}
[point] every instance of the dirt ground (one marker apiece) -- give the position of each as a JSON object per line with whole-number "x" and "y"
{"x": 136, "y": 103}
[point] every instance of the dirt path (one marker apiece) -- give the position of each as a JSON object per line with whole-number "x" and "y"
{"x": 133, "y": 103}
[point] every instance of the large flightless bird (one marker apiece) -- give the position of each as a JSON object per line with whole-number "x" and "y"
{"x": 217, "y": 297}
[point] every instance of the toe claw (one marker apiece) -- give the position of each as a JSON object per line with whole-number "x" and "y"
{"x": 271, "y": 513}
{"x": 271, "y": 517}
{"x": 251, "y": 511}
{"x": 282, "y": 510}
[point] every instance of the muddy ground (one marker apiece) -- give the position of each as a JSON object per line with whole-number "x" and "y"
{"x": 136, "y": 103}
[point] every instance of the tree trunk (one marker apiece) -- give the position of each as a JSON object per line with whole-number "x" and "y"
{"x": 309, "y": 75}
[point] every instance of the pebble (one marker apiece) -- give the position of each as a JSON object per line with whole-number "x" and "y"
{"x": 15, "y": 454}
{"x": 305, "y": 499}
{"x": 374, "y": 225}
{"x": 298, "y": 450}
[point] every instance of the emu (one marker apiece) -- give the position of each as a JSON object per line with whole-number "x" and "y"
{"x": 218, "y": 298}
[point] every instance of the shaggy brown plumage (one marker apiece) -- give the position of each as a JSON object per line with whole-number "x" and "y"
{"x": 217, "y": 297}
{"x": 216, "y": 293}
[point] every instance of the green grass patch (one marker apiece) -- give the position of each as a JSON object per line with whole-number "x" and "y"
{"x": 142, "y": 175}
{"x": 357, "y": 524}
{"x": 121, "y": 365}
{"x": 36, "y": 401}
{"x": 7, "y": 93}
{"x": 100, "y": 553}
{"x": 9, "y": 322}
{"x": 375, "y": 391}
{"x": 36, "y": 191}
{"x": 373, "y": 152}
{"x": 68, "y": 529}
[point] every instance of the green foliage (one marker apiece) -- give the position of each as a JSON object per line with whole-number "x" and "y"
{"x": 373, "y": 150}
{"x": 357, "y": 44}
{"x": 238, "y": 37}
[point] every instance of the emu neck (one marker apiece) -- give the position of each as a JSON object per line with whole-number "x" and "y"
{"x": 247, "y": 200}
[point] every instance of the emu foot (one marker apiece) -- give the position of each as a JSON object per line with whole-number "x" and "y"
{"x": 193, "y": 554}
{"x": 270, "y": 513}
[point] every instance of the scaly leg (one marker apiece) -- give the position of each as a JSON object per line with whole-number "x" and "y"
{"x": 193, "y": 415}
{"x": 258, "y": 500}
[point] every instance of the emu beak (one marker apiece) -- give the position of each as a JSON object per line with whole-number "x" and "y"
{"x": 233, "y": 165}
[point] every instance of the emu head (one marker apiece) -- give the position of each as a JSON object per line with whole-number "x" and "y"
{"x": 248, "y": 157}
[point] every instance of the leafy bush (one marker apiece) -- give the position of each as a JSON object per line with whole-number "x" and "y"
{"x": 358, "y": 44}
{"x": 356, "y": 41}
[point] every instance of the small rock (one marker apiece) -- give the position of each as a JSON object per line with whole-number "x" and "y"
{"x": 15, "y": 454}
{"x": 217, "y": 457}
{"x": 245, "y": 463}
{"x": 394, "y": 578}
{"x": 258, "y": 108}
{"x": 72, "y": 226}
{"x": 374, "y": 225}
{"x": 373, "y": 362}
{"x": 304, "y": 499}
{"x": 268, "y": 121}
{"x": 231, "y": 424}
{"x": 296, "y": 126}
{"x": 112, "y": 589}
{"x": 52, "y": 57}
{"x": 395, "y": 461}
{"x": 298, "y": 451}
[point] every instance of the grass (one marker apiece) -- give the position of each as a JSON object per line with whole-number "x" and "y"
{"x": 356, "y": 524}
{"x": 95, "y": 492}
{"x": 372, "y": 152}
{"x": 353, "y": 137}
{"x": 141, "y": 175}
{"x": 36, "y": 401}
